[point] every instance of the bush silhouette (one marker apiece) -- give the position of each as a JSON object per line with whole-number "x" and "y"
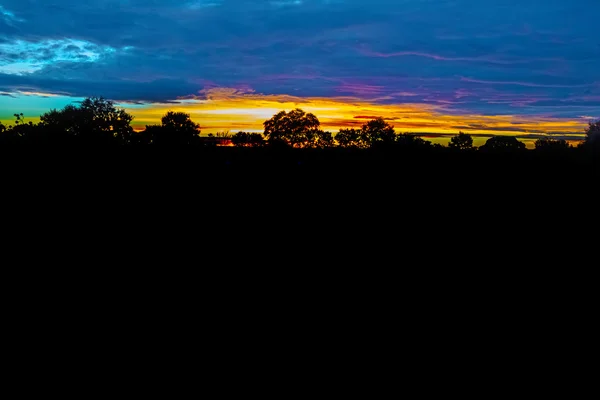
{"x": 95, "y": 121}
{"x": 462, "y": 141}
{"x": 551, "y": 145}
{"x": 503, "y": 144}
{"x": 246, "y": 139}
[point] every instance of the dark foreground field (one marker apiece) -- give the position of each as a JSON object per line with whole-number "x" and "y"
{"x": 203, "y": 178}
{"x": 272, "y": 202}
{"x": 438, "y": 238}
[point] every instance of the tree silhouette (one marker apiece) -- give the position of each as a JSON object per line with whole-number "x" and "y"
{"x": 378, "y": 132}
{"x": 592, "y": 137}
{"x": 95, "y": 121}
{"x": 218, "y": 139}
{"x": 256, "y": 139}
{"x": 9, "y": 135}
{"x": 20, "y": 132}
{"x": 549, "y": 144}
{"x": 19, "y": 119}
{"x": 412, "y": 141}
{"x": 222, "y": 138}
{"x": 593, "y": 131}
{"x": 349, "y": 138}
{"x": 295, "y": 128}
{"x": 151, "y": 134}
{"x": 323, "y": 140}
{"x": 142, "y": 138}
{"x": 177, "y": 128}
{"x": 503, "y": 144}
{"x": 462, "y": 141}
{"x": 246, "y": 139}
{"x": 65, "y": 121}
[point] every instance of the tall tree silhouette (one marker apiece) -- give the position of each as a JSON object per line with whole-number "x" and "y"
{"x": 462, "y": 141}
{"x": 66, "y": 121}
{"x": 378, "y": 132}
{"x": 296, "y": 128}
{"x": 177, "y": 128}
{"x": 592, "y": 137}
{"x": 95, "y": 121}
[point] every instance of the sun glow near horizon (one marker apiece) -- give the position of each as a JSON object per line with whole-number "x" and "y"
{"x": 228, "y": 110}
{"x": 218, "y": 110}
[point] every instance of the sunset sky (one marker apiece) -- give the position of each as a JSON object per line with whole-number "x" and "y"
{"x": 486, "y": 67}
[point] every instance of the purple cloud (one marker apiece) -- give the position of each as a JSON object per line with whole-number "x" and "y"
{"x": 491, "y": 57}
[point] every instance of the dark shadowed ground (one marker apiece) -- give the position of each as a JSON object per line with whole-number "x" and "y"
{"x": 128, "y": 257}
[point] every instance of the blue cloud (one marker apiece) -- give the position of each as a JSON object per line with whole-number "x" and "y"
{"x": 493, "y": 56}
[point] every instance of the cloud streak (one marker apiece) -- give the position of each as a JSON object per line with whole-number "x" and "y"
{"x": 459, "y": 56}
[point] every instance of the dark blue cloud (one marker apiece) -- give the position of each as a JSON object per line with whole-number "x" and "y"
{"x": 493, "y": 56}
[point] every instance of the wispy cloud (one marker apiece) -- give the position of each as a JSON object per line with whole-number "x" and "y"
{"x": 220, "y": 109}
{"x": 8, "y": 16}
{"x": 438, "y": 57}
{"x": 461, "y": 56}
{"x": 527, "y": 84}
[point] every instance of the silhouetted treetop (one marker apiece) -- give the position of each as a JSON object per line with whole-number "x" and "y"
{"x": 550, "y": 144}
{"x": 411, "y": 140}
{"x": 246, "y": 139}
{"x": 323, "y": 140}
{"x": 378, "y": 131}
{"x": 592, "y": 137}
{"x": 180, "y": 121}
{"x": 96, "y": 120}
{"x": 295, "y": 128}
{"x": 350, "y": 138}
{"x": 503, "y": 143}
{"x": 593, "y": 131}
{"x": 462, "y": 141}
{"x": 177, "y": 128}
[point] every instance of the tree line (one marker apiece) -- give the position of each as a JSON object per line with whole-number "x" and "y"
{"x": 97, "y": 121}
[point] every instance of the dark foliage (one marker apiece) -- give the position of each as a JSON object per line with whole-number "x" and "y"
{"x": 177, "y": 129}
{"x": 462, "y": 141}
{"x": 295, "y": 128}
{"x": 549, "y": 144}
{"x": 246, "y": 139}
{"x": 503, "y": 144}
{"x": 293, "y": 138}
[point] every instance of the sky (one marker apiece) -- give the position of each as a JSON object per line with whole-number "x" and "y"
{"x": 528, "y": 68}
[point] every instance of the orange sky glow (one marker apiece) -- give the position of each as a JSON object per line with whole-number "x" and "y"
{"x": 218, "y": 110}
